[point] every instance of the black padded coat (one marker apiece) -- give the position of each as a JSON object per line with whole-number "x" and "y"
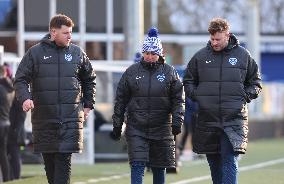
{"x": 151, "y": 97}
{"x": 222, "y": 83}
{"x": 6, "y": 99}
{"x": 62, "y": 83}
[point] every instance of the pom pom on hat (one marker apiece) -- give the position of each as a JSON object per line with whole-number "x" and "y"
{"x": 153, "y": 32}
{"x": 152, "y": 43}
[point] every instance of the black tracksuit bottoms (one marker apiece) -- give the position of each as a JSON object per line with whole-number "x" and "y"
{"x": 57, "y": 167}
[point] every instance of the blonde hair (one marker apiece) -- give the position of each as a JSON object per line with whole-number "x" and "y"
{"x": 218, "y": 25}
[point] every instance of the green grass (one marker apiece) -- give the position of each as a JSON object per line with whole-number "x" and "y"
{"x": 258, "y": 152}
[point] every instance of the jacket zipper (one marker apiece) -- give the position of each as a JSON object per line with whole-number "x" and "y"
{"x": 59, "y": 99}
{"x": 149, "y": 100}
{"x": 220, "y": 88}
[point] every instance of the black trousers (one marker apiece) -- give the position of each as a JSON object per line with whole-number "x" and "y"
{"x": 57, "y": 167}
{"x": 4, "y": 162}
{"x": 188, "y": 129}
{"x": 15, "y": 161}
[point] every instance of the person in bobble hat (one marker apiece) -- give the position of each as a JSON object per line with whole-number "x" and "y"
{"x": 149, "y": 95}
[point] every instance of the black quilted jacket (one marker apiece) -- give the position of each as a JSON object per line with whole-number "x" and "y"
{"x": 6, "y": 99}
{"x": 149, "y": 100}
{"x": 222, "y": 83}
{"x": 62, "y": 83}
{"x": 151, "y": 96}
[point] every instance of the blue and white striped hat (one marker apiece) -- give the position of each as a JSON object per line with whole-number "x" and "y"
{"x": 152, "y": 43}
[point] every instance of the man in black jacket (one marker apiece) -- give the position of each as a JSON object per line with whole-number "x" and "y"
{"x": 62, "y": 92}
{"x": 6, "y": 98}
{"x": 222, "y": 78}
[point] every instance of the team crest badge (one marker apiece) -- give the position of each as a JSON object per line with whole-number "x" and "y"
{"x": 68, "y": 57}
{"x": 233, "y": 61}
{"x": 161, "y": 77}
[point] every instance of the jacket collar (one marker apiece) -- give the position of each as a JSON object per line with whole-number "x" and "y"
{"x": 46, "y": 40}
{"x": 152, "y": 65}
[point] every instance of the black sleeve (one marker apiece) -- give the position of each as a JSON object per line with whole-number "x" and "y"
{"x": 87, "y": 78}
{"x": 177, "y": 100}
{"x": 190, "y": 79}
{"x": 253, "y": 80}
{"x": 16, "y": 116}
{"x": 23, "y": 77}
{"x": 121, "y": 101}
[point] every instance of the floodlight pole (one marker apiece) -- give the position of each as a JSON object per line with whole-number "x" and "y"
{"x": 21, "y": 28}
{"x": 253, "y": 30}
{"x": 154, "y": 13}
{"x": 133, "y": 27}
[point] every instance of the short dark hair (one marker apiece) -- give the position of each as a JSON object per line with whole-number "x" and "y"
{"x": 60, "y": 19}
{"x": 218, "y": 25}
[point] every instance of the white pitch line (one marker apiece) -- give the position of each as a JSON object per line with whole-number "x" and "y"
{"x": 244, "y": 168}
{"x": 103, "y": 179}
{"x": 263, "y": 164}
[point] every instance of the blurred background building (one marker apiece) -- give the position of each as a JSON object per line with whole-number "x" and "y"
{"x": 112, "y": 31}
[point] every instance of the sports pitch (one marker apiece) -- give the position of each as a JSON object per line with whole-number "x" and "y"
{"x": 263, "y": 164}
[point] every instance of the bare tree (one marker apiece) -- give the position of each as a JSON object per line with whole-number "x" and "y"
{"x": 272, "y": 16}
{"x": 187, "y": 16}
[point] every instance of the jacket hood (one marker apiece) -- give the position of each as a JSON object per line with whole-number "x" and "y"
{"x": 7, "y": 83}
{"x": 152, "y": 65}
{"x": 46, "y": 40}
{"x": 233, "y": 42}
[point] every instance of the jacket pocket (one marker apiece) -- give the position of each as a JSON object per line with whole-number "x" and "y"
{"x": 206, "y": 140}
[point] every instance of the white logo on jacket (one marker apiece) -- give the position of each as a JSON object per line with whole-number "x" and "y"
{"x": 46, "y": 57}
{"x": 68, "y": 57}
{"x": 138, "y": 77}
{"x": 161, "y": 77}
{"x": 233, "y": 61}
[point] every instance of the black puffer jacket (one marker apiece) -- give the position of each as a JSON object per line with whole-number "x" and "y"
{"x": 62, "y": 84}
{"x": 6, "y": 99}
{"x": 152, "y": 96}
{"x": 222, "y": 83}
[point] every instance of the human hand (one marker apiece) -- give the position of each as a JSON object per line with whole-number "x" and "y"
{"x": 116, "y": 133}
{"x": 27, "y": 105}
{"x": 86, "y": 113}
